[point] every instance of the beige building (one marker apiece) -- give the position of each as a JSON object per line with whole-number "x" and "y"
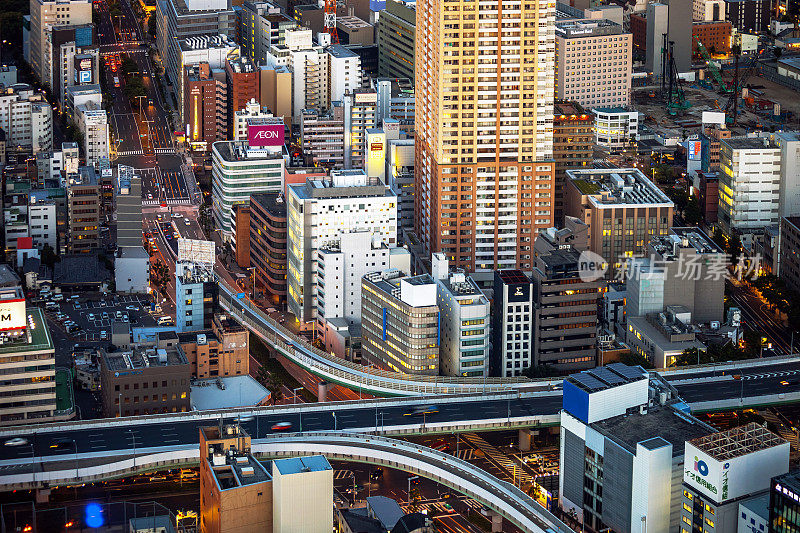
{"x": 302, "y": 495}
{"x": 221, "y": 352}
{"x": 593, "y": 63}
{"x": 622, "y": 208}
{"x": 483, "y": 166}
{"x": 47, "y": 13}
{"x": 400, "y": 322}
{"x": 276, "y": 91}
{"x": 83, "y": 210}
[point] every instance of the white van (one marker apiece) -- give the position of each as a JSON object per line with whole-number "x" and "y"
{"x": 165, "y": 321}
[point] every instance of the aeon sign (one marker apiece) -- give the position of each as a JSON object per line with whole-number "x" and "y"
{"x": 265, "y": 134}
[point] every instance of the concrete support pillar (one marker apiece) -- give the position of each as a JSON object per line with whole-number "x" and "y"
{"x": 42, "y": 495}
{"x": 497, "y": 523}
{"x": 524, "y": 443}
{"x": 322, "y": 391}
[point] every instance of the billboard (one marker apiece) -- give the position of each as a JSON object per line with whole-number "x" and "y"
{"x": 694, "y": 150}
{"x": 12, "y": 314}
{"x": 366, "y": 98}
{"x": 265, "y": 134}
{"x": 85, "y": 77}
{"x": 196, "y": 251}
{"x": 735, "y": 477}
{"x": 519, "y": 292}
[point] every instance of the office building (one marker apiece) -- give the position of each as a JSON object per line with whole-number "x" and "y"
{"x": 789, "y": 193}
{"x": 512, "y": 323}
{"x": 205, "y": 105}
{"x": 593, "y": 63}
{"x": 708, "y": 10}
{"x": 615, "y": 127}
{"x": 145, "y": 379}
{"x": 276, "y": 90}
{"x": 214, "y": 50}
{"x": 261, "y": 25}
{"x": 684, "y": 267}
{"x": 131, "y": 261}
{"x": 396, "y": 102}
{"x": 240, "y": 234}
{"x": 784, "y": 503}
{"x": 749, "y": 16}
{"x": 729, "y": 467}
{"x": 43, "y": 223}
{"x": 790, "y": 252}
{"x": 479, "y": 228}
{"x": 28, "y": 395}
{"x": 179, "y": 20}
{"x": 76, "y": 95}
{"x": 672, "y": 18}
{"x": 465, "y": 315}
{"x": 196, "y": 295}
{"x": 573, "y": 145}
{"x": 354, "y": 31}
{"x": 360, "y": 115}
{"x": 240, "y": 170}
{"x": 268, "y": 246}
{"x": 242, "y": 82}
{"x": 93, "y": 125}
{"x": 308, "y": 64}
{"x": 47, "y": 13}
{"x": 622, "y": 456}
{"x": 26, "y": 118}
{"x": 661, "y": 337}
{"x": 319, "y": 212}
{"x": 715, "y": 36}
{"x": 622, "y": 208}
{"x": 302, "y": 495}
{"x": 219, "y": 352}
{"x": 565, "y": 322}
{"x": 749, "y": 185}
{"x": 71, "y": 57}
{"x": 322, "y": 137}
{"x": 344, "y": 68}
{"x": 400, "y": 179}
{"x": 396, "y": 34}
{"x": 83, "y": 210}
{"x": 235, "y": 488}
{"x": 341, "y": 264}
{"x": 252, "y": 109}
{"x": 400, "y": 323}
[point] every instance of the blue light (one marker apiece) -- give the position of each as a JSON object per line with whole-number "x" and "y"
{"x": 94, "y": 515}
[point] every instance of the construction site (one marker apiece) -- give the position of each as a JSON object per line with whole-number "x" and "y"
{"x": 674, "y": 108}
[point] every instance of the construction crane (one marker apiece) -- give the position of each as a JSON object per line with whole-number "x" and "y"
{"x": 329, "y": 21}
{"x": 712, "y": 68}
{"x": 738, "y": 85}
{"x": 676, "y": 98}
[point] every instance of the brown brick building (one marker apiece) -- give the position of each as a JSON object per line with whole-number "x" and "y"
{"x": 715, "y": 36}
{"x": 268, "y": 246}
{"x": 145, "y": 380}
{"x": 709, "y": 196}
{"x": 205, "y": 105}
{"x": 240, "y": 231}
{"x": 222, "y": 351}
{"x": 243, "y": 84}
{"x": 573, "y": 140}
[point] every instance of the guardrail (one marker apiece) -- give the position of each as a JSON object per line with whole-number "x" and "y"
{"x": 352, "y": 375}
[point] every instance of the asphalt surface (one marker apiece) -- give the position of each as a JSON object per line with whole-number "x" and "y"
{"x": 352, "y": 416}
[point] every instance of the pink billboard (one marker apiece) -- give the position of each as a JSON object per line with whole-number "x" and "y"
{"x": 265, "y": 134}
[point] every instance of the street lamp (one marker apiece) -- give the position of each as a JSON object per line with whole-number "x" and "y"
{"x": 294, "y": 391}
{"x": 412, "y": 478}
{"x": 334, "y": 420}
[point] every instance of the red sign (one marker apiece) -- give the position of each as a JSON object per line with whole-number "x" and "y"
{"x": 24, "y": 243}
{"x": 265, "y": 134}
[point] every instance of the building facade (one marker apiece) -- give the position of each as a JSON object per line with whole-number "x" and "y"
{"x": 573, "y": 144}
{"x": 512, "y": 323}
{"x": 268, "y": 246}
{"x": 196, "y": 295}
{"x": 396, "y": 35}
{"x": 83, "y": 211}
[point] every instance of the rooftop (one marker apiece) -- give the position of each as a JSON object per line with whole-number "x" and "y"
{"x": 297, "y": 465}
{"x": 386, "y": 510}
{"x": 273, "y": 203}
{"x": 342, "y": 184}
{"x": 738, "y": 441}
{"x": 339, "y": 51}
{"x": 460, "y": 285}
{"x": 236, "y": 151}
{"x": 144, "y": 357}
{"x": 242, "y": 64}
{"x": 564, "y": 109}
{"x": 204, "y": 42}
{"x": 618, "y": 186}
{"x": 682, "y": 238}
{"x": 195, "y": 272}
{"x": 34, "y": 338}
{"x": 227, "y": 392}
{"x": 587, "y": 28}
{"x": 607, "y": 377}
{"x": 512, "y": 276}
{"x": 664, "y": 422}
{"x": 749, "y": 143}
{"x": 351, "y": 22}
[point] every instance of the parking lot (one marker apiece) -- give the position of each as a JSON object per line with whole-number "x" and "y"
{"x": 89, "y": 318}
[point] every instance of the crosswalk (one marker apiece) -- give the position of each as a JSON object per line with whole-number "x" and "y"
{"x": 343, "y": 474}
{"x": 510, "y": 465}
{"x": 465, "y": 455}
{"x": 169, "y": 201}
{"x": 165, "y": 150}
{"x": 130, "y": 152}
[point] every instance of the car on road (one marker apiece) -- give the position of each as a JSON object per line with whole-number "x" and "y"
{"x": 58, "y": 297}
{"x": 420, "y": 410}
{"x": 105, "y": 315}
{"x": 165, "y": 321}
{"x": 125, "y": 317}
{"x": 149, "y": 196}
{"x": 103, "y": 334}
{"x": 118, "y": 315}
{"x": 16, "y": 441}
{"x": 188, "y": 222}
{"x": 73, "y": 328}
{"x": 788, "y": 382}
{"x": 90, "y": 316}
{"x": 282, "y": 426}
{"x": 131, "y": 308}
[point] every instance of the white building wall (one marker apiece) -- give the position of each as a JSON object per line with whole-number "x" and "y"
{"x": 651, "y": 499}
{"x": 754, "y": 175}
{"x": 345, "y": 75}
{"x": 789, "y": 144}
{"x": 302, "y": 502}
{"x": 132, "y": 275}
{"x": 42, "y": 225}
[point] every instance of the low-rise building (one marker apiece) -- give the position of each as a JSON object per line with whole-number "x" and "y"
{"x": 615, "y": 127}
{"x": 219, "y": 352}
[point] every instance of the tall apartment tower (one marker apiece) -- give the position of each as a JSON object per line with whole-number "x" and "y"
{"x": 484, "y": 118}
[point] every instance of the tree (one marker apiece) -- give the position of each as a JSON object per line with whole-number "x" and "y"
{"x": 691, "y": 213}
{"x": 129, "y": 66}
{"x": 49, "y": 256}
{"x": 540, "y": 371}
{"x": 679, "y": 197}
{"x": 635, "y": 359}
{"x": 734, "y": 248}
{"x": 134, "y": 88}
{"x": 151, "y": 25}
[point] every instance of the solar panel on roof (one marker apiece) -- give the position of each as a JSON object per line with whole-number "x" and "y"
{"x": 630, "y": 372}
{"x": 608, "y": 376}
{"x": 589, "y": 382}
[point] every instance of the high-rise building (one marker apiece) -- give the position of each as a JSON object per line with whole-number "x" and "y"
{"x": 749, "y": 188}
{"x": 47, "y": 13}
{"x": 784, "y": 503}
{"x": 319, "y": 212}
{"x": 196, "y": 295}
{"x": 360, "y": 115}
{"x": 215, "y": 50}
{"x": 484, "y": 121}
{"x": 322, "y": 137}
{"x": 93, "y": 124}
{"x": 242, "y": 81}
{"x": 83, "y": 205}
{"x": 26, "y": 118}
{"x": 396, "y": 102}
{"x": 512, "y": 323}
{"x": 790, "y": 252}
{"x": 205, "y": 105}
{"x": 400, "y": 326}
{"x": 565, "y": 323}
{"x": 748, "y": 16}
{"x": 72, "y": 57}
{"x": 177, "y": 20}
{"x": 240, "y": 234}
{"x": 261, "y": 25}
{"x": 396, "y": 34}
{"x": 268, "y": 246}
{"x": 593, "y": 63}
{"x": 573, "y": 145}
{"x": 622, "y": 208}
{"x": 464, "y": 322}
{"x": 239, "y": 170}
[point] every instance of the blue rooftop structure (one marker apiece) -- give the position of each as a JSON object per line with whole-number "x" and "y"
{"x": 296, "y": 465}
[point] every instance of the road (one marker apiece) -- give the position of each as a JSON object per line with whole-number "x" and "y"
{"x": 758, "y": 317}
